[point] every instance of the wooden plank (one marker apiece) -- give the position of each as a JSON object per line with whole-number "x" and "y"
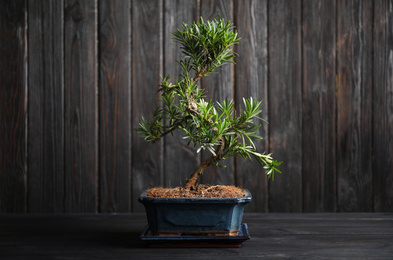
{"x": 354, "y": 105}
{"x": 383, "y": 106}
{"x": 13, "y": 106}
{"x": 219, "y": 86}
{"x": 115, "y": 106}
{"x": 180, "y": 160}
{"x": 81, "y": 148}
{"x": 331, "y": 236}
{"x": 319, "y": 106}
{"x": 251, "y": 81}
{"x": 273, "y": 236}
{"x": 285, "y": 104}
{"x": 46, "y": 107}
{"x": 147, "y": 163}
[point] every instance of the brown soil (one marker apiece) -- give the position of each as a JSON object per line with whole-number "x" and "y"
{"x": 201, "y": 191}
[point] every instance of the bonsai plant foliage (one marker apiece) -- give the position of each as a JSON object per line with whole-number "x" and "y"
{"x": 216, "y": 127}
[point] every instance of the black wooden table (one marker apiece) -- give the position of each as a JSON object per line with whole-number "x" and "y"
{"x": 273, "y": 236}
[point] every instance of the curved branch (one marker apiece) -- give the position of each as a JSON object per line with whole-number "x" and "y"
{"x": 190, "y": 183}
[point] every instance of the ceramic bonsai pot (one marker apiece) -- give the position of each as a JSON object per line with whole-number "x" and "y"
{"x": 203, "y": 216}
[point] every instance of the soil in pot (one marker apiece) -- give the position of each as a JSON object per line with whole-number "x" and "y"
{"x": 200, "y": 191}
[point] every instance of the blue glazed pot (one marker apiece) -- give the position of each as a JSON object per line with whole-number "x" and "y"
{"x": 177, "y": 216}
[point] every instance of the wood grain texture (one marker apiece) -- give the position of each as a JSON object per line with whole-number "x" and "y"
{"x": 251, "y": 81}
{"x": 81, "y": 106}
{"x": 13, "y": 106}
{"x": 273, "y": 236}
{"x": 354, "y": 105}
{"x": 219, "y": 86}
{"x": 115, "y": 106}
{"x": 46, "y": 107}
{"x": 147, "y": 158}
{"x": 76, "y": 76}
{"x": 319, "y": 106}
{"x": 285, "y": 104}
{"x": 382, "y": 125}
{"x": 180, "y": 159}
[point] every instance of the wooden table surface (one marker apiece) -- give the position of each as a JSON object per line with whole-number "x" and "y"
{"x": 273, "y": 236}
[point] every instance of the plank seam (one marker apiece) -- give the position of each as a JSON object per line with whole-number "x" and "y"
{"x": 98, "y": 110}
{"x": 335, "y": 182}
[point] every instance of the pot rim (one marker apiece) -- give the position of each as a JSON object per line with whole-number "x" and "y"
{"x": 247, "y": 198}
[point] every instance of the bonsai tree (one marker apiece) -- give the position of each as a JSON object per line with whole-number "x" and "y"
{"x": 215, "y": 127}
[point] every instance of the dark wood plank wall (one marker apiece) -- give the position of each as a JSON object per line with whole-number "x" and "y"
{"x": 46, "y": 106}
{"x": 319, "y": 106}
{"x": 76, "y": 76}
{"x": 382, "y": 106}
{"x": 13, "y": 106}
{"x": 354, "y": 88}
{"x": 285, "y": 103}
{"x": 147, "y": 58}
{"x": 80, "y": 106}
{"x": 251, "y": 81}
{"x": 115, "y": 106}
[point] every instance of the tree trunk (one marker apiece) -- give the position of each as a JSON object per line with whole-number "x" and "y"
{"x": 190, "y": 183}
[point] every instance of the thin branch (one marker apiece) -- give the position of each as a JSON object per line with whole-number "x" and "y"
{"x": 199, "y": 75}
{"x": 173, "y": 127}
